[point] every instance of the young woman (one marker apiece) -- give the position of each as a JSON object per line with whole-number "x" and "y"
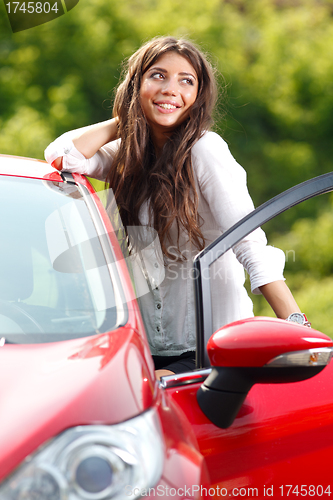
{"x": 169, "y": 172}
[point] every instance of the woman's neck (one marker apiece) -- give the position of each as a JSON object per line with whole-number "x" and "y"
{"x": 159, "y": 140}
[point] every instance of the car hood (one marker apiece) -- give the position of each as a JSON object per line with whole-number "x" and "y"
{"x": 47, "y": 388}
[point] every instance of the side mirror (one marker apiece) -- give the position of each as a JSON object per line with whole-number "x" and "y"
{"x": 258, "y": 350}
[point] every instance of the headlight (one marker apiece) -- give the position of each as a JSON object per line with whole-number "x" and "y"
{"x": 92, "y": 462}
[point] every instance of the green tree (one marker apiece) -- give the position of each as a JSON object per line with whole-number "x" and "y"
{"x": 60, "y": 75}
{"x": 309, "y": 268}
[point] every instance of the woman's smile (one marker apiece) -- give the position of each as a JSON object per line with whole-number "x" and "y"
{"x": 166, "y": 106}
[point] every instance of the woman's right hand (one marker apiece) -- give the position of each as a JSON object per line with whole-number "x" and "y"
{"x": 57, "y": 163}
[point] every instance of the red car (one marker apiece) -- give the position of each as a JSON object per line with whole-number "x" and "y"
{"x": 82, "y": 415}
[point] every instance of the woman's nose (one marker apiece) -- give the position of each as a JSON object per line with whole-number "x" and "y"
{"x": 170, "y": 88}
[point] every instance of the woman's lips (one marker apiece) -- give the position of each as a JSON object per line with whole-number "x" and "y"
{"x": 166, "y": 107}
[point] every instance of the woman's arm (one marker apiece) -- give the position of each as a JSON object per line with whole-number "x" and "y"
{"x": 223, "y": 184}
{"x": 90, "y": 139}
{"x": 88, "y": 150}
{"x": 280, "y": 299}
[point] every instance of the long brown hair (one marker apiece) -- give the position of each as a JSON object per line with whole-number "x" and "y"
{"x": 166, "y": 182}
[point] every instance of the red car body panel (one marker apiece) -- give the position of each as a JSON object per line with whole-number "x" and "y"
{"x": 64, "y": 384}
{"x": 282, "y": 435}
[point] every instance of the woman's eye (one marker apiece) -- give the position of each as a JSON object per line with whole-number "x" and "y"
{"x": 189, "y": 81}
{"x": 157, "y": 76}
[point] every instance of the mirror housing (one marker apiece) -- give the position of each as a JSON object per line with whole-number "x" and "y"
{"x": 258, "y": 350}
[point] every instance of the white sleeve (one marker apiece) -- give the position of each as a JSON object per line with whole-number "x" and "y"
{"x": 222, "y": 182}
{"x": 97, "y": 166}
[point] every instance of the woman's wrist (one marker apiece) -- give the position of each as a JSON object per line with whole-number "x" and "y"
{"x": 299, "y": 318}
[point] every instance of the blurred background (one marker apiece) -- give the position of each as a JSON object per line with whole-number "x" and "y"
{"x": 275, "y": 65}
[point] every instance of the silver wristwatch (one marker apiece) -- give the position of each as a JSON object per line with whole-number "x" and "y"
{"x": 299, "y": 318}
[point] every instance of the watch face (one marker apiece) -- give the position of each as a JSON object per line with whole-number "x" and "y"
{"x": 297, "y": 318}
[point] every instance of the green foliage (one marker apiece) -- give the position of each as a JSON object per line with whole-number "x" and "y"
{"x": 309, "y": 269}
{"x": 62, "y": 73}
{"x": 309, "y": 246}
{"x": 275, "y": 58}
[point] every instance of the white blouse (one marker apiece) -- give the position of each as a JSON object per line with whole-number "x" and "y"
{"x": 164, "y": 286}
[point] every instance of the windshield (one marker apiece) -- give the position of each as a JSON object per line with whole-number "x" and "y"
{"x": 54, "y": 282}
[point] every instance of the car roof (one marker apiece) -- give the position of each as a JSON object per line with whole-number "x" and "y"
{"x": 28, "y": 167}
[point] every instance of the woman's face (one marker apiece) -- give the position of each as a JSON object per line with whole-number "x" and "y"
{"x": 168, "y": 90}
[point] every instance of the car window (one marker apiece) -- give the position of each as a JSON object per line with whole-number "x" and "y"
{"x": 54, "y": 281}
